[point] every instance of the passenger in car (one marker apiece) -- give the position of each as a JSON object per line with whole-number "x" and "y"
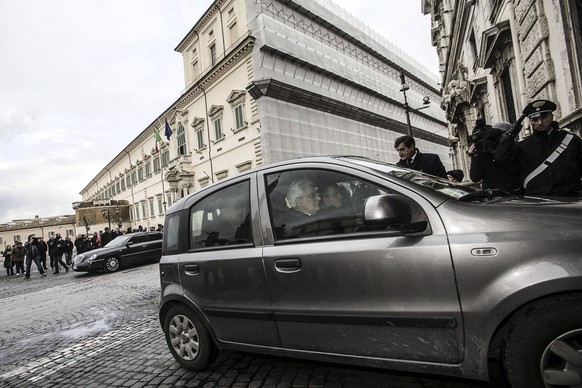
{"x": 303, "y": 197}
{"x": 232, "y": 225}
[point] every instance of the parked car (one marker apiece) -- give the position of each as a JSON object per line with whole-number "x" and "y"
{"x": 410, "y": 272}
{"x": 123, "y": 251}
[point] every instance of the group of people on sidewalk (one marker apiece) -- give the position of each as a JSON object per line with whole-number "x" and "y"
{"x": 18, "y": 259}
{"x": 548, "y": 162}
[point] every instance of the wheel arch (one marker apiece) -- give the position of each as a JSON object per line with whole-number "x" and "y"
{"x": 504, "y": 325}
{"x": 180, "y": 300}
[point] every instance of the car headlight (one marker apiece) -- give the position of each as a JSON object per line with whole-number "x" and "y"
{"x": 78, "y": 258}
{"x": 93, "y": 257}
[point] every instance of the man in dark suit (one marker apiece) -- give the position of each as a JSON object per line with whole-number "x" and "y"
{"x": 412, "y": 158}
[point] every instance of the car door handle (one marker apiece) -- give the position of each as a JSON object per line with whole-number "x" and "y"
{"x": 288, "y": 265}
{"x": 192, "y": 269}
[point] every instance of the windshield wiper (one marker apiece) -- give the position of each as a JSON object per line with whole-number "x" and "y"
{"x": 484, "y": 194}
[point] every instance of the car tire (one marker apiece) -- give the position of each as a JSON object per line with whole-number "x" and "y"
{"x": 544, "y": 344}
{"x": 188, "y": 338}
{"x": 111, "y": 264}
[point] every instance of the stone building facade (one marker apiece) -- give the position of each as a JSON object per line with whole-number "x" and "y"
{"x": 268, "y": 80}
{"x": 498, "y": 55}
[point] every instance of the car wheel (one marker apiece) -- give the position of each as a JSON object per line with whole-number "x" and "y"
{"x": 112, "y": 264}
{"x": 544, "y": 344}
{"x": 188, "y": 338}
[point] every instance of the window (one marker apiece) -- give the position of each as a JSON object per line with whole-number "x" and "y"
{"x": 148, "y": 169}
{"x": 157, "y": 164}
{"x": 122, "y": 184}
{"x": 507, "y": 90}
{"x": 222, "y": 218}
{"x": 152, "y": 210}
{"x": 213, "y": 54}
{"x": 134, "y": 176}
{"x": 140, "y": 173}
{"x": 17, "y": 238}
{"x": 218, "y": 128}
{"x": 128, "y": 180}
{"x": 314, "y": 203}
{"x": 237, "y": 101}
{"x": 160, "y": 205}
{"x": 144, "y": 209}
{"x": 165, "y": 158}
{"x": 200, "y": 138}
{"x": 51, "y": 234}
{"x": 169, "y": 197}
{"x": 117, "y": 186}
{"x": 136, "y": 212}
{"x": 1, "y": 241}
{"x": 181, "y": 136}
{"x": 70, "y": 233}
{"x": 238, "y": 116}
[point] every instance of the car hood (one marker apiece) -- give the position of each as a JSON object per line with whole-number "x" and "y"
{"x": 102, "y": 251}
{"x": 513, "y": 214}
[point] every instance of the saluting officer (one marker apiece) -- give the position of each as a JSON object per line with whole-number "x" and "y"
{"x": 550, "y": 159}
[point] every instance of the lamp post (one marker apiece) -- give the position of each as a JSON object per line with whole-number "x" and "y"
{"x": 403, "y": 88}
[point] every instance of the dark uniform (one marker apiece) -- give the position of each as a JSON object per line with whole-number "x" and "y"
{"x": 560, "y": 178}
{"x": 427, "y": 163}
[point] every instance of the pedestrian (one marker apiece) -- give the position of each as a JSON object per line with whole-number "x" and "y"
{"x": 51, "y": 250}
{"x": 59, "y": 251}
{"x": 105, "y": 237}
{"x": 80, "y": 244}
{"x": 412, "y": 158}
{"x": 32, "y": 254}
{"x": 18, "y": 257}
{"x": 455, "y": 176}
{"x": 8, "y": 260}
{"x": 95, "y": 241}
{"x": 491, "y": 173}
{"x": 68, "y": 250}
{"x": 43, "y": 248}
{"x": 550, "y": 159}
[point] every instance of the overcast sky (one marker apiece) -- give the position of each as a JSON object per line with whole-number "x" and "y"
{"x": 80, "y": 79}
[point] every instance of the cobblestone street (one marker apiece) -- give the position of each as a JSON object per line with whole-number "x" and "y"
{"x": 72, "y": 330}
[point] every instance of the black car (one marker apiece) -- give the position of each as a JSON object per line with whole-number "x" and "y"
{"x": 123, "y": 251}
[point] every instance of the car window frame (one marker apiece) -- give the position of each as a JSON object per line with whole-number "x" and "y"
{"x": 372, "y": 177}
{"x": 192, "y": 202}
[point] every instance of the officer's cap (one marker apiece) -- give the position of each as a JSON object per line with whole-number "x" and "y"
{"x": 535, "y": 108}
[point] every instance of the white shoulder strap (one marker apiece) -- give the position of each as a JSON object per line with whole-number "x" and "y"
{"x": 554, "y": 155}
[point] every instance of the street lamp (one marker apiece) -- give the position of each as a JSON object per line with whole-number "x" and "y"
{"x": 403, "y": 88}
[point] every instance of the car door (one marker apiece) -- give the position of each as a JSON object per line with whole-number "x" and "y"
{"x": 153, "y": 250}
{"x": 340, "y": 287}
{"x": 222, "y": 273}
{"x": 135, "y": 249}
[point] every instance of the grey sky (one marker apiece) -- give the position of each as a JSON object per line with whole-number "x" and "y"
{"x": 79, "y": 79}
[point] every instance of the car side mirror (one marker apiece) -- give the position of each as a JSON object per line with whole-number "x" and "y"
{"x": 129, "y": 243}
{"x": 391, "y": 210}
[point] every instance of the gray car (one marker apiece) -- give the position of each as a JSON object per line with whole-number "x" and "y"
{"x": 352, "y": 260}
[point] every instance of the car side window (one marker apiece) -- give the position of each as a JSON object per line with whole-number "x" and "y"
{"x": 222, "y": 218}
{"x": 138, "y": 239}
{"x": 315, "y": 203}
{"x": 154, "y": 236}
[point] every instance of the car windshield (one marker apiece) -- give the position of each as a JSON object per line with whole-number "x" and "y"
{"x": 440, "y": 185}
{"x": 118, "y": 241}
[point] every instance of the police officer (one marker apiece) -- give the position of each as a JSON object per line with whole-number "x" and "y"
{"x": 550, "y": 159}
